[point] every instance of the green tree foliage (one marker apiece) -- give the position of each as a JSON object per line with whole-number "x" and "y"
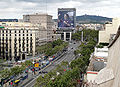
{"x": 76, "y": 36}
{"x": 40, "y": 81}
{"x": 43, "y": 48}
{"x": 5, "y": 73}
{"x": 99, "y": 46}
{"x": 90, "y": 35}
{"x": 68, "y": 79}
{"x": 57, "y": 43}
{"x": 52, "y": 48}
{"x": 16, "y": 70}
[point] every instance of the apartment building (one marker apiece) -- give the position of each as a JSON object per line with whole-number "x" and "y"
{"x": 89, "y": 26}
{"x": 43, "y": 20}
{"x": 109, "y": 32}
{"x": 18, "y": 39}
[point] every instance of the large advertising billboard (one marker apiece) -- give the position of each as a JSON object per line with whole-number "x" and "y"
{"x": 66, "y": 18}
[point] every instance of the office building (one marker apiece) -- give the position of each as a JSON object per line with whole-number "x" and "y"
{"x": 108, "y": 33}
{"x": 18, "y": 39}
{"x": 43, "y": 20}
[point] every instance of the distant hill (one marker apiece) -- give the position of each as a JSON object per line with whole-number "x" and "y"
{"x": 91, "y": 19}
{"x": 8, "y": 20}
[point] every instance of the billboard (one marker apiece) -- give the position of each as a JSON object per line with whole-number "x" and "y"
{"x": 66, "y": 18}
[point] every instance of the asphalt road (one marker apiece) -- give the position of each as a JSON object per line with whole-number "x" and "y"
{"x": 68, "y": 56}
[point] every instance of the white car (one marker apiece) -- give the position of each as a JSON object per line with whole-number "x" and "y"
{"x": 50, "y": 58}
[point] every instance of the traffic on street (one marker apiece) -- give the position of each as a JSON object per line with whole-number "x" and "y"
{"x": 42, "y": 65}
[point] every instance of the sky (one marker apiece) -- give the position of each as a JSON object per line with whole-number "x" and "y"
{"x": 18, "y": 8}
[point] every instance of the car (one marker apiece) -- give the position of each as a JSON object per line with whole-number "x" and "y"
{"x": 71, "y": 47}
{"x": 43, "y": 72}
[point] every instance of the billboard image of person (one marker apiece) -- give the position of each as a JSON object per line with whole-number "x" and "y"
{"x": 66, "y": 19}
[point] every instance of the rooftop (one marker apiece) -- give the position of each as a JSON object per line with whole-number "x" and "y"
{"x": 116, "y": 37}
{"x": 8, "y": 25}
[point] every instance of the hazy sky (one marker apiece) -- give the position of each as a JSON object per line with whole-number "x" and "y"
{"x": 16, "y": 8}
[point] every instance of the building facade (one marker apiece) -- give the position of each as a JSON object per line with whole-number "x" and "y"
{"x": 17, "y": 40}
{"x": 110, "y": 30}
{"x": 89, "y": 26}
{"x": 43, "y": 20}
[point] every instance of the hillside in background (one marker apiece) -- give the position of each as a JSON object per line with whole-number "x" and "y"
{"x": 91, "y": 19}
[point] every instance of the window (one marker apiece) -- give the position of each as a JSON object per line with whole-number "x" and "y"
{"x": 19, "y": 39}
{"x": 6, "y": 34}
{"x": 27, "y": 31}
{"x": 10, "y": 31}
{"x": 27, "y": 45}
{"x": 6, "y": 31}
{"x": 23, "y": 38}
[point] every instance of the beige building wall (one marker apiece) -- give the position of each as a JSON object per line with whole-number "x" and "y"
{"x": 45, "y": 21}
{"x": 104, "y": 35}
{"x": 110, "y": 76}
{"x": 114, "y": 62}
{"x": 25, "y": 43}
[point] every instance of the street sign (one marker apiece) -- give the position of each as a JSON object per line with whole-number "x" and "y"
{"x": 36, "y": 64}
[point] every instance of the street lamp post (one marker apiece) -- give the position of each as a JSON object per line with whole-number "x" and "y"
{"x": 81, "y": 34}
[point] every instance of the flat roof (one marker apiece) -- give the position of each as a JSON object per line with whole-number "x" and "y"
{"x": 92, "y": 72}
